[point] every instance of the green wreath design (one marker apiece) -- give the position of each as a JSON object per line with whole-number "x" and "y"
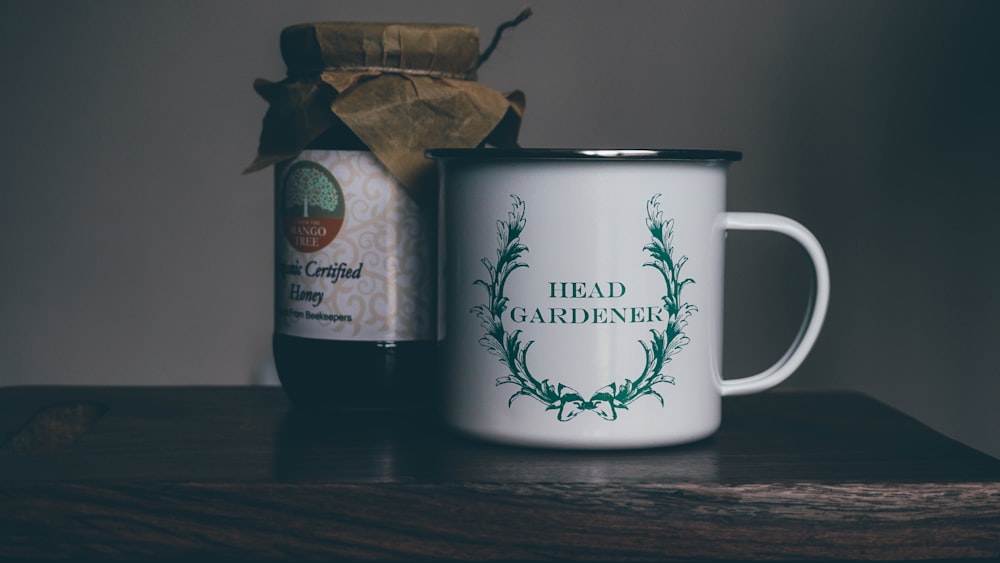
{"x": 507, "y": 346}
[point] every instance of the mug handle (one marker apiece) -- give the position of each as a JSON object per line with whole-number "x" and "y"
{"x": 815, "y": 313}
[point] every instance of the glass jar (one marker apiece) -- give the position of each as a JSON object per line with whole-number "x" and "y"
{"x": 355, "y": 352}
{"x": 355, "y": 202}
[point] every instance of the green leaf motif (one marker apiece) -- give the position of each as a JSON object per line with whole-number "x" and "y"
{"x": 506, "y": 346}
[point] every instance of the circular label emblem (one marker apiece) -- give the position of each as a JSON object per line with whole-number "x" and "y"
{"x": 313, "y": 206}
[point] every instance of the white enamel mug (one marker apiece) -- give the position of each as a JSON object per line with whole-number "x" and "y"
{"x": 582, "y": 295}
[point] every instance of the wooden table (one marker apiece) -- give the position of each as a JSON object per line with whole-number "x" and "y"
{"x": 232, "y": 473}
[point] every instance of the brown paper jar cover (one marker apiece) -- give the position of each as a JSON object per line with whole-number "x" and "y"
{"x": 399, "y": 88}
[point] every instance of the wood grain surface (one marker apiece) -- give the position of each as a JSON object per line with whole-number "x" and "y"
{"x": 235, "y": 474}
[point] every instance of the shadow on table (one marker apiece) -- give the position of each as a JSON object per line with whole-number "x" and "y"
{"x": 394, "y": 446}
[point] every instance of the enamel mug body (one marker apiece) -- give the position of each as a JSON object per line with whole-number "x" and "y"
{"x": 582, "y": 295}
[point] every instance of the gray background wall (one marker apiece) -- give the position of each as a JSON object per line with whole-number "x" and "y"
{"x": 132, "y": 251}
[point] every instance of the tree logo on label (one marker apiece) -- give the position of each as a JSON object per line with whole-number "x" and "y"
{"x": 312, "y": 206}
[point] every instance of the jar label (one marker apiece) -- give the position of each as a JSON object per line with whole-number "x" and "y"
{"x": 354, "y": 253}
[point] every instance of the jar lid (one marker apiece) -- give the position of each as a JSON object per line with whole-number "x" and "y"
{"x": 589, "y": 154}
{"x": 446, "y": 50}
